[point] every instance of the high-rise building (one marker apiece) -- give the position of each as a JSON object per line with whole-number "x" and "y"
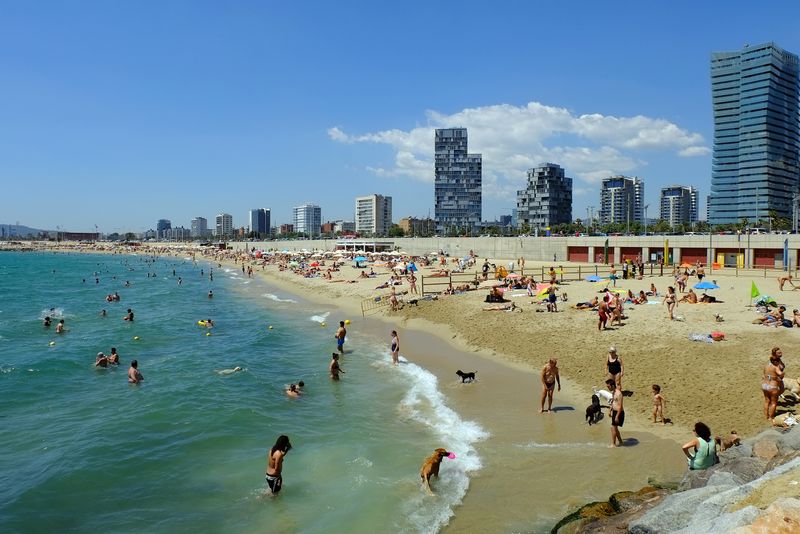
{"x": 224, "y": 225}
{"x": 373, "y": 215}
{"x": 756, "y": 163}
{"x": 308, "y": 220}
{"x": 259, "y": 221}
{"x": 679, "y": 205}
{"x": 161, "y": 227}
{"x": 457, "y": 183}
{"x": 622, "y": 200}
{"x": 199, "y": 227}
{"x": 548, "y": 198}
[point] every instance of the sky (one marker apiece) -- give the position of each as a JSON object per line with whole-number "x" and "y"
{"x": 116, "y": 114}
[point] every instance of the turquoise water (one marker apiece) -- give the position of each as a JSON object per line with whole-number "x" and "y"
{"x": 186, "y": 450}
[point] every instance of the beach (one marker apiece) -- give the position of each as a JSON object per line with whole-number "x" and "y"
{"x": 541, "y": 466}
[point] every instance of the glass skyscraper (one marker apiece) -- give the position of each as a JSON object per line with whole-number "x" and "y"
{"x": 756, "y": 134}
{"x": 457, "y": 183}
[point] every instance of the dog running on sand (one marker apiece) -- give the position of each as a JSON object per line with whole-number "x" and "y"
{"x": 431, "y": 467}
{"x": 466, "y": 376}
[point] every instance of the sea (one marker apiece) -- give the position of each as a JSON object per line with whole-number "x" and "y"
{"x": 185, "y": 450}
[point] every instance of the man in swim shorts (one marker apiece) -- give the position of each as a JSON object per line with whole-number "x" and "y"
{"x": 617, "y": 412}
{"x": 340, "y": 334}
{"x": 549, "y": 379}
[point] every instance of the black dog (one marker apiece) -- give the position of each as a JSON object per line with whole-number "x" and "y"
{"x": 465, "y": 376}
{"x": 413, "y": 302}
{"x": 593, "y": 411}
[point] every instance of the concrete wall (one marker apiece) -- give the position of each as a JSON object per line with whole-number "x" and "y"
{"x": 544, "y": 248}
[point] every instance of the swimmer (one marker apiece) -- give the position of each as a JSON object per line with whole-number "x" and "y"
{"x": 292, "y": 391}
{"x": 113, "y": 358}
{"x": 334, "y": 367}
{"x": 60, "y": 327}
{"x": 229, "y": 371}
{"x": 134, "y": 376}
{"x": 128, "y": 316}
{"x": 47, "y": 322}
{"x": 211, "y": 294}
{"x": 102, "y": 313}
{"x": 101, "y": 360}
{"x": 300, "y": 386}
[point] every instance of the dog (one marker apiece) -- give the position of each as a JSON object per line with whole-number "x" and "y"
{"x": 431, "y": 468}
{"x": 593, "y": 411}
{"x": 604, "y": 394}
{"x": 719, "y": 318}
{"x": 729, "y": 441}
{"x": 413, "y": 302}
{"x": 466, "y": 376}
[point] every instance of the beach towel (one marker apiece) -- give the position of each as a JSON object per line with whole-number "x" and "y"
{"x": 701, "y": 337}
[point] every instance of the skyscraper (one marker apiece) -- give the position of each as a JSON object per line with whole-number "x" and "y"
{"x": 622, "y": 200}
{"x": 679, "y": 205}
{"x": 548, "y": 198}
{"x": 259, "y": 221}
{"x": 457, "y": 183}
{"x": 161, "y": 227}
{"x": 373, "y": 214}
{"x": 756, "y": 133}
{"x": 224, "y": 225}
{"x": 199, "y": 227}
{"x": 308, "y": 219}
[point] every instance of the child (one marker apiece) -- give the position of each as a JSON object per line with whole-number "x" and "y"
{"x": 658, "y": 404}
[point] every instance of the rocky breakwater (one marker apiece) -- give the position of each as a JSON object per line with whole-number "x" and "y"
{"x": 754, "y": 489}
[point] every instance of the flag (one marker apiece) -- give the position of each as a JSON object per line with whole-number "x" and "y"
{"x": 754, "y": 292}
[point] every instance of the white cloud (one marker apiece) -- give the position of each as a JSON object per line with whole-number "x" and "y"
{"x": 513, "y": 139}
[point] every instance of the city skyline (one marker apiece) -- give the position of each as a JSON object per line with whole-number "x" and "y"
{"x": 111, "y": 126}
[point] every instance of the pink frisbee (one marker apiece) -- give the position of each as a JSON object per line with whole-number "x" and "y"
{"x": 452, "y": 456}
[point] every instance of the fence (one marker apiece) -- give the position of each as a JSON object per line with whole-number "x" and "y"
{"x": 373, "y": 303}
{"x": 436, "y": 284}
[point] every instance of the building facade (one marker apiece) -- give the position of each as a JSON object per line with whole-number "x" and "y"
{"x": 178, "y": 233}
{"x": 373, "y": 215}
{"x": 224, "y": 225}
{"x": 622, "y": 200}
{"x": 457, "y": 183}
{"x": 162, "y": 226}
{"x": 547, "y": 200}
{"x": 412, "y": 226}
{"x": 259, "y": 219}
{"x": 307, "y": 219}
{"x": 286, "y": 229}
{"x": 678, "y": 205}
{"x": 199, "y": 227}
{"x": 756, "y": 163}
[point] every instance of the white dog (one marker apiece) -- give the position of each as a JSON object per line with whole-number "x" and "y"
{"x": 604, "y": 395}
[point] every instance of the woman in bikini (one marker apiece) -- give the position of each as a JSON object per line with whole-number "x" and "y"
{"x": 275, "y": 463}
{"x": 671, "y": 301}
{"x": 614, "y": 367}
{"x": 395, "y": 347}
{"x": 772, "y": 383}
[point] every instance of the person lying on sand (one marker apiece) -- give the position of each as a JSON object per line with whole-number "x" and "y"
{"x": 507, "y": 307}
{"x": 440, "y": 273}
{"x": 587, "y": 305}
{"x": 773, "y": 318}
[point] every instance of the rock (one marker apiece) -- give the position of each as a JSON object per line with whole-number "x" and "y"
{"x": 743, "y": 450}
{"x": 745, "y": 469}
{"x": 789, "y": 440}
{"x": 781, "y": 459}
{"x": 673, "y": 513}
{"x": 766, "y": 448}
{"x": 781, "y": 516}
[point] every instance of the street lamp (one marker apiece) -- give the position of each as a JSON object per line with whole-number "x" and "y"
{"x": 645, "y": 218}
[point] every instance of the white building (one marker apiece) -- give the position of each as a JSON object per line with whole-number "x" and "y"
{"x": 679, "y": 205}
{"x": 308, "y": 220}
{"x": 373, "y": 215}
{"x": 622, "y": 200}
{"x": 224, "y": 225}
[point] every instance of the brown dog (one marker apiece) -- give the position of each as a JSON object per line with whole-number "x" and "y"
{"x": 431, "y": 468}
{"x": 729, "y": 441}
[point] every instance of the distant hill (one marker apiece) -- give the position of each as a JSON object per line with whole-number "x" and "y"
{"x": 12, "y": 230}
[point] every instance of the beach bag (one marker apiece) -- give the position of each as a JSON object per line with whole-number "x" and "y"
{"x": 717, "y": 336}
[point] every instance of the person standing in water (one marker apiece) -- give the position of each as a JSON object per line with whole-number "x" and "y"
{"x": 60, "y": 327}
{"x": 395, "y": 348}
{"x": 134, "y": 376}
{"x": 617, "y": 412}
{"x": 334, "y": 367}
{"x": 549, "y": 379}
{"x": 274, "y": 474}
{"x": 340, "y": 335}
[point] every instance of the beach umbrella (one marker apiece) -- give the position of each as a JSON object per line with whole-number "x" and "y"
{"x": 706, "y": 285}
{"x": 593, "y": 278}
{"x": 359, "y": 259}
{"x": 412, "y": 267}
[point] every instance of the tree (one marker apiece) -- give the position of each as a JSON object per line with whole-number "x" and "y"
{"x": 130, "y": 236}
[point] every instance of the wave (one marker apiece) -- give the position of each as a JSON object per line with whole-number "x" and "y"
{"x": 320, "y": 318}
{"x": 534, "y": 445}
{"x": 53, "y": 313}
{"x": 425, "y": 404}
{"x": 276, "y": 298}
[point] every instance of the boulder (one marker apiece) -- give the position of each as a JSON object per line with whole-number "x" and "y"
{"x": 782, "y": 516}
{"x": 745, "y": 469}
{"x": 675, "y": 512}
{"x": 742, "y": 450}
{"x": 789, "y": 441}
{"x": 782, "y": 459}
{"x": 766, "y": 448}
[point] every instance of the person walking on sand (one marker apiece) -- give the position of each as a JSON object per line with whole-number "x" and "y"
{"x": 772, "y": 382}
{"x": 602, "y": 314}
{"x": 340, "y": 335}
{"x": 783, "y": 279}
{"x": 334, "y": 367}
{"x": 395, "y": 348}
{"x": 550, "y": 378}
{"x": 617, "y": 413}
{"x": 412, "y": 282}
{"x": 274, "y": 474}
{"x": 658, "y": 404}
{"x": 671, "y": 301}
{"x": 614, "y": 366}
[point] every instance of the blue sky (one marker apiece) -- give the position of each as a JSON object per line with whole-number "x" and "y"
{"x": 117, "y": 114}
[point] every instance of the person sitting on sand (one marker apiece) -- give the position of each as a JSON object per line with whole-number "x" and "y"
{"x": 795, "y": 317}
{"x": 642, "y": 298}
{"x": 630, "y": 297}
{"x": 773, "y": 318}
{"x": 363, "y": 275}
{"x": 786, "y": 278}
{"x": 690, "y": 297}
{"x": 653, "y": 291}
